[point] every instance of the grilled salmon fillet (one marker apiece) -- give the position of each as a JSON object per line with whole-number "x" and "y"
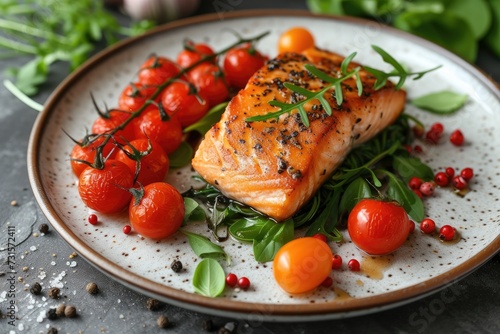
{"x": 275, "y": 166}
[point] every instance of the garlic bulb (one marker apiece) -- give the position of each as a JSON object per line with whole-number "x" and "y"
{"x": 159, "y": 10}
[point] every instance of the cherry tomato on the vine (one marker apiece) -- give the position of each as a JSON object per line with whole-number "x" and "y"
{"x": 166, "y": 133}
{"x": 192, "y": 53}
{"x": 106, "y": 190}
{"x": 158, "y": 212}
{"x": 153, "y": 165}
{"x": 134, "y": 96}
{"x": 181, "y": 100}
{"x": 115, "y": 118}
{"x": 378, "y": 227}
{"x": 210, "y": 82}
{"x": 87, "y": 152}
{"x": 302, "y": 264}
{"x": 241, "y": 63}
{"x": 296, "y": 40}
{"x": 156, "y": 70}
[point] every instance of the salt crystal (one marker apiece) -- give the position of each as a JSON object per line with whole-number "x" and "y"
{"x": 33, "y": 248}
{"x": 2, "y": 296}
{"x": 20, "y": 327}
{"x": 53, "y": 263}
{"x": 122, "y": 316}
{"x": 119, "y": 301}
{"x": 41, "y": 316}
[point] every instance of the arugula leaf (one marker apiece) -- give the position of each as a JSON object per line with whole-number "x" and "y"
{"x": 209, "y": 278}
{"x": 442, "y": 102}
{"x": 181, "y": 156}
{"x": 212, "y": 117}
{"x": 355, "y": 192}
{"x": 398, "y": 191}
{"x": 270, "y": 239}
{"x": 408, "y": 167}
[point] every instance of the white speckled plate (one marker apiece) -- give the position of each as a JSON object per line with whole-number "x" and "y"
{"x": 422, "y": 266}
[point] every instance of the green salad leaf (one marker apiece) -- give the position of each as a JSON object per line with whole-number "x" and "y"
{"x": 181, "y": 156}
{"x": 442, "y": 102}
{"x": 209, "y": 278}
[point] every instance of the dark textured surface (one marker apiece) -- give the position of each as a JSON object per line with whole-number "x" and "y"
{"x": 471, "y": 305}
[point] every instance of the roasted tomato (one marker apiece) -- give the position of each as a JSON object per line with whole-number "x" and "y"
{"x": 106, "y": 190}
{"x": 167, "y": 133}
{"x": 241, "y": 63}
{"x": 156, "y": 70}
{"x": 181, "y": 100}
{"x": 378, "y": 227}
{"x": 193, "y": 53}
{"x": 115, "y": 118}
{"x": 295, "y": 40}
{"x": 86, "y": 151}
{"x": 302, "y": 264}
{"x": 134, "y": 96}
{"x": 147, "y": 156}
{"x": 210, "y": 82}
{"x": 157, "y": 211}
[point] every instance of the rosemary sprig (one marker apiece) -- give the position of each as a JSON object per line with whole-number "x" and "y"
{"x": 335, "y": 83}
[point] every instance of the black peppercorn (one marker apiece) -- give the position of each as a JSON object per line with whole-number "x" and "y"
{"x": 176, "y": 266}
{"x": 51, "y": 314}
{"x": 36, "y": 288}
{"x": 54, "y": 293}
{"x": 52, "y": 330}
{"x": 153, "y": 304}
{"x": 44, "y": 228}
{"x": 162, "y": 321}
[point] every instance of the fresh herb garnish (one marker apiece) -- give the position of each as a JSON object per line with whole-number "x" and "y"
{"x": 381, "y": 80}
{"x": 50, "y": 31}
{"x": 442, "y": 102}
{"x": 270, "y": 239}
{"x": 204, "y": 248}
{"x": 181, "y": 156}
{"x": 209, "y": 278}
{"x": 212, "y": 117}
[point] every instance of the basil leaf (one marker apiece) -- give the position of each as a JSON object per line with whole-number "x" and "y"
{"x": 209, "y": 278}
{"x": 212, "y": 117}
{"x": 247, "y": 229}
{"x": 203, "y": 247}
{"x": 399, "y": 192}
{"x": 442, "y": 102}
{"x": 193, "y": 211}
{"x": 408, "y": 167}
{"x": 272, "y": 237}
{"x": 181, "y": 156}
{"x": 355, "y": 192}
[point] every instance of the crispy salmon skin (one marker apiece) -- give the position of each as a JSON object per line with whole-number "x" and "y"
{"x": 275, "y": 166}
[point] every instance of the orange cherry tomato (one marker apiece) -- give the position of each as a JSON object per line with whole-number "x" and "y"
{"x": 166, "y": 133}
{"x": 302, "y": 264}
{"x": 295, "y": 40}
{"x": 106, "y": 190}
{"x": 241, "y": 63}
{"x": 180, "y": 99}
{"x": 86, "y": 151}
{"x": 159, "y": 212}
{"x": 153, "y": 165}
{"x": 104, "y": 125}
{"x": 156, "y": 70}
{"x": 193, "y": 53}
{"x": 378, "y": 227}
{"x": 134, "y": 96}
{"x": 209, "y": 80}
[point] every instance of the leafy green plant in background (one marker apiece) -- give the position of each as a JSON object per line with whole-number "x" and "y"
{"x": 458, "y": 25}
{"x": 49, "y": 31}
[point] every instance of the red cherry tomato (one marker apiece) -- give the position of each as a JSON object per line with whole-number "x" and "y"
{"x": 158, "y": 213}
{"x": 116, "y": 117}
{"x": 180, "y": 99}
{"x": 166, "y": 133}
{"x": 209, "y": 80}
{"x": 106, "y": 190}
{"x": 295, "y": 40}
{"x": 378, "y": 227}
{"x": 193, "y": 53}
{"x": 156, "y": 70}
{"x": 87, "y": 152}
{"x": 153, "y": 165}
{"x": 241, "y": 63}
{"x": 302, "y": 264}
{"x": 134, "y": 96}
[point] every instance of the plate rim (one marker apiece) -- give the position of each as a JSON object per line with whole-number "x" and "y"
{"x": 188, "y": 300}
